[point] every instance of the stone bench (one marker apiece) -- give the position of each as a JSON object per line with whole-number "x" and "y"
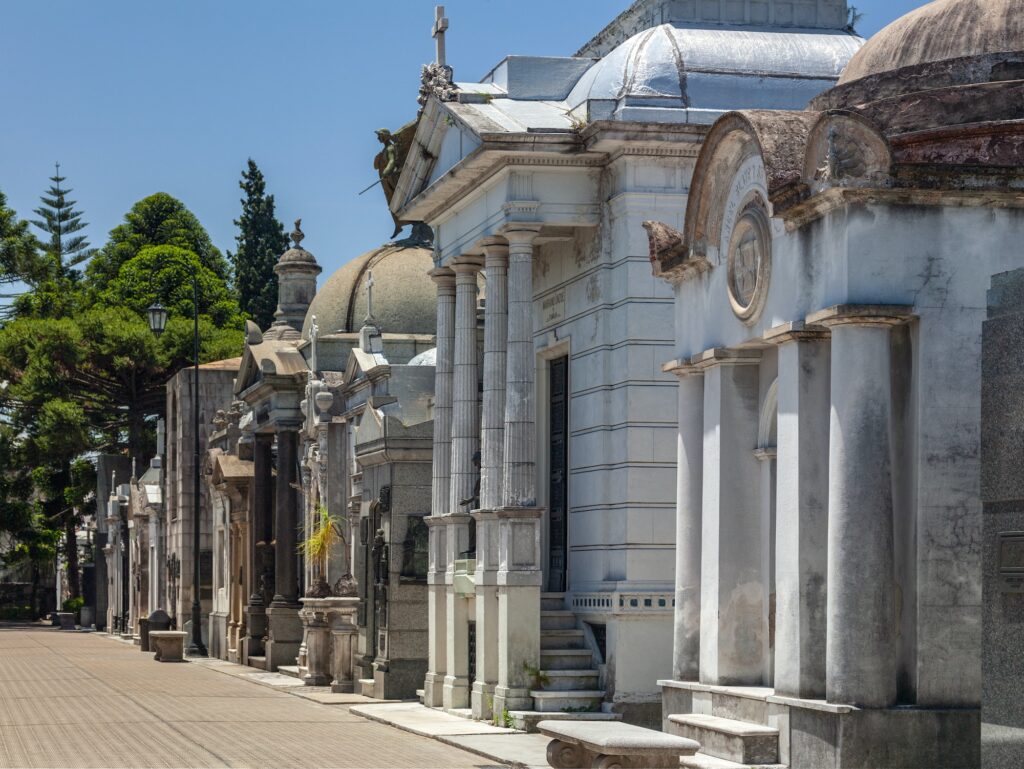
{"x": 66, "y": 620}
{"x": 602, "y": 744}
{"x": 168, "y": 645}
{"x": 612, "y": 745}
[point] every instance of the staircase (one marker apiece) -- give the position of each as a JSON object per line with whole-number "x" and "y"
{"x": 732, "y": 729}
{"x": 568, "y": 681}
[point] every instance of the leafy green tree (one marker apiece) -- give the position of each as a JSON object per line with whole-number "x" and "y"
{"x": 261, "y": 240}
{"x": 20, "y": 263}
{"x": 157, "y": 220}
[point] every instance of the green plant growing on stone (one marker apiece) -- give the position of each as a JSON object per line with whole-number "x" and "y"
{"x": 326, "y": 536}
{"x": 506, "y": 719}
{"x": 581, "y": 709}
{"x": 538, "y": 678}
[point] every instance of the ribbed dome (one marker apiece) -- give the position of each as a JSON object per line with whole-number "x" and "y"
{"x": 941, "y": 30}
{"x": 698, "y": 67}
{"x": 404, "y": 296}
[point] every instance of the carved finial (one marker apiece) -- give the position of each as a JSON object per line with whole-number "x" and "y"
{"x": 369, "y": 298}
{"x": 314, "y": 335}
{"x": 297, "y": 235}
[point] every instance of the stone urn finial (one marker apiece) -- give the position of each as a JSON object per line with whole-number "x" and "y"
{"x": 297, "y": 235}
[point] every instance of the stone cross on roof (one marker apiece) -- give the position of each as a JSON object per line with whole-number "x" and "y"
{"x": 369, "y": 298}
{"x": 437, "y": 32}
{"x": 314, "y": 335}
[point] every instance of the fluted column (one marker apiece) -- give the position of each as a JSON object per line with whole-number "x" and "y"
{"x": 689, "y": 507}
{"x": 465, "y": 408}
{"x": 286, "y": 521}
{"x": 519, "y": 520}
{"x": 492, "y": 453}
{"x": 519, "y": 483}
{"x": 437, "y": 605}
{"x": 495, "y": 355}
{"x": 443, "y": 375}
{"x": 860, "y": 659}
{"x": 465, "y": 443}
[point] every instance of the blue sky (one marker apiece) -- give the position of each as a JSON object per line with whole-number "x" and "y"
{"x": 138, "y": 97}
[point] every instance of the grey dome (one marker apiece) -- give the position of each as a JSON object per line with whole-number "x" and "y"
{"x": 425, "y": 358}
{"x": 717, "y": 68}
{"x": 404, "y": 296}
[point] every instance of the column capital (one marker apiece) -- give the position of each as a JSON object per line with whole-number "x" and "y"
{"x": 681, "y": 368}
{"x": 863, "y": 315}
{"x": 724, "y": 357}
{"x": 794, "y": 331}
{"x": 521, "y": 233}
{"x": 467, "y": 264}
{"x": 495, "y": 251}
{"x": 443, "y": 277}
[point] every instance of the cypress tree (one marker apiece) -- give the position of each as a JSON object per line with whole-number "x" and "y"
{"x": 261, "y": 240}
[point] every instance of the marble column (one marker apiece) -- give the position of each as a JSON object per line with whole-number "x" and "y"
{"x": 861, "y": 615}
{"x": 733, "y": 596}
{"x": 495, "y": 344}
{"x": 437, "y": 605}
{"x": 801, "y": 514}
{"x": 519, "y": 520}
{"x": 689, "y": 501}
{"x": 259, "y": 541}
{"x": 492, "y": 453}
{"x": 464, "y": 474}
{"x": 285, "y": 627}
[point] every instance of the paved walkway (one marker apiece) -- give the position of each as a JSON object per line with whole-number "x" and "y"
{"x": 81, "y": 700}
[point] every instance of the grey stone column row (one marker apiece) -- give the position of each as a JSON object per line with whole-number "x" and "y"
{"x": 286, "y": 521}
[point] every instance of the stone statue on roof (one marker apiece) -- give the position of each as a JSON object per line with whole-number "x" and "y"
{"x": 389, "y": 161}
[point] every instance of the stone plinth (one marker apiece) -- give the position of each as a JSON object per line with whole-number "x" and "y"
{"x": 329, "y": 628}
{"x": 285, "y": 629}
{"x": 66, "y": 620}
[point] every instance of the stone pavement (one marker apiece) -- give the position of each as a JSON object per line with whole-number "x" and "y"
{"x": 82, "y": 700}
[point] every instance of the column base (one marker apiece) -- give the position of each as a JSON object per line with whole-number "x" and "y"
{"x": 284, "y": 636}
{"x": 481, "y": 700}
{"x": 456, "y": 692}
{"x": 433, "y": 690}
{"x": 253, "y": 644}
{"x": 506, "y": 698}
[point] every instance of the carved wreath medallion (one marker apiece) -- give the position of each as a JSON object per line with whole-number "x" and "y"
{"x": 749, "y": 260}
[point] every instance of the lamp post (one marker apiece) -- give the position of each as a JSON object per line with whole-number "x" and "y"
{"x": 157, "y": 322}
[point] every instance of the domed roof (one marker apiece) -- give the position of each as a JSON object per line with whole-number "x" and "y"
{"x": 404, "y": 296}
{"x": 717, "y": 68}
{"x": 940, "y": 30}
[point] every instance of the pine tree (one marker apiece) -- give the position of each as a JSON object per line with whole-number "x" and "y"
{"x": 261, "y": 240}
{"x": 60, "y": 221}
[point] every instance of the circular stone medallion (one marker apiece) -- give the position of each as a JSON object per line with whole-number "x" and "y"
{"x": 749, "y": 261}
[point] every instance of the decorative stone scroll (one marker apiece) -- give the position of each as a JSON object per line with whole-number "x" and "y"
{"x": 671, "y": 258}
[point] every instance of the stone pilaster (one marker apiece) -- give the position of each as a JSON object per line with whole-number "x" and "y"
{"x": 861, "y": 615}
{"x": 465, "y": 404}
{"x": 519, "y": 480}
{"x": 801, "y": 511}
{"x": 689, "y": 506}
{"x": 733, "y": 627}
{"x": 487, "y": 640}
{"x": 495, "y": 354}
{"x": 437, "y": 602}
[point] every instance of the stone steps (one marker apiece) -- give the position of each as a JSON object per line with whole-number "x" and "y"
{"x": 562, "y": 639}
{"x": 738, "y": 741}
{"x": 561, "y": 619}
{"x": 289, "y": 670}
{"x": 552, "y": 601}
{"x": 570, "y": 680}
{"x": 704, "y": 761}
{"x": 582, "y": 701}
{"x": 260, "y": 663}
{"x": 366, "y": 687}
{"x": 566, "y": 659}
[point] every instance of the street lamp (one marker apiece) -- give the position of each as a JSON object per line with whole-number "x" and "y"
{"x": 157, "y": 322}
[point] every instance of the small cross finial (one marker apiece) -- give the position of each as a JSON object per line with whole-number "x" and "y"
{"x": 437, "y": 32}
{"x": 369, "y": 297}
{"x": 297, "y": 235}
{"x": 314, "y": 334}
